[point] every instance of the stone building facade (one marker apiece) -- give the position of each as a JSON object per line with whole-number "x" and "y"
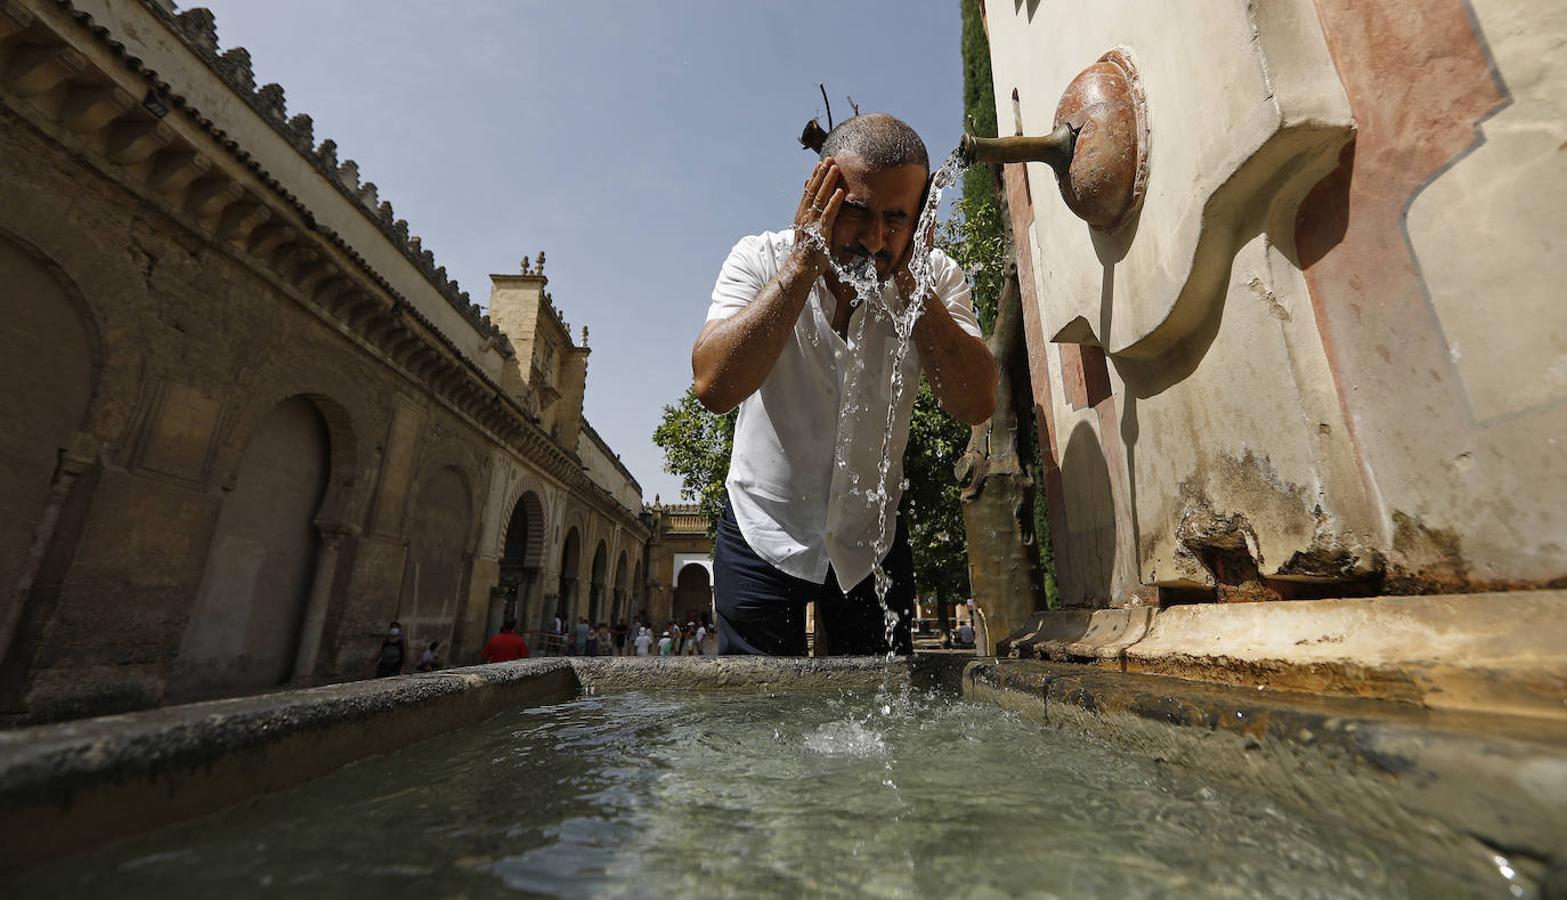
{"x": 680, "y": 560}
{"x": 1327, "y": 357}
{"x": 248, "y": 419}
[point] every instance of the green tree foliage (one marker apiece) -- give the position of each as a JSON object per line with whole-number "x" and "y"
{"x": 696, "y": 445}
{"x": 935, "y": 515}
{"x": 977, "y": 241}
{"x": 979, "y": 96}
{"x": 976, "y": 237}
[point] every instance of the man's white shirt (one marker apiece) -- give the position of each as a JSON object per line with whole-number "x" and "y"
{"x": 808, "y": 443}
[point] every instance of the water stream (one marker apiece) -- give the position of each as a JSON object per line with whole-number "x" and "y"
{"x": 869, "y": 290}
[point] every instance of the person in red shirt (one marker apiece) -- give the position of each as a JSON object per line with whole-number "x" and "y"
{"x": 506, "y": 646}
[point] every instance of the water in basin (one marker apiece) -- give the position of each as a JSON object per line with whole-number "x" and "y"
{"x": 817, "y": 793}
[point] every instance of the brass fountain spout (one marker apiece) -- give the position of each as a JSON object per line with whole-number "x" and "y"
{"x": 1054, "y": 149}
{"x": 1098, "y": 147}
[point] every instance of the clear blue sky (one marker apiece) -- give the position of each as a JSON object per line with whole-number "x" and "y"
{"x": 634, "y": 142}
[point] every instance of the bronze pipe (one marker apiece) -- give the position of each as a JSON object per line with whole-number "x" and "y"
{"x": 1099, "y": 148}
{"x": 1054, "y": 149}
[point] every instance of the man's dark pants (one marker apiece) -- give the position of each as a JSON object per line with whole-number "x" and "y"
{"x": 761, "y": 611}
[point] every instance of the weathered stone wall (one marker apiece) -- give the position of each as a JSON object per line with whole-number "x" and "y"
{"x": 1258, "y": 387}
{"x": 605, "y": 469}
{"x": 1433, "y": 260}
{"x": 259, "y": 561}
{"x": 240, "y": 440}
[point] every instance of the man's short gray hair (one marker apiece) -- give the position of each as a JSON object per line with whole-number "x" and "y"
{"x": 883, "y": 141}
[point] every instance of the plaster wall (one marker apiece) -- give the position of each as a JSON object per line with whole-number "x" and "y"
{"x": 1434, "y": 263}
{"x": 605, "y": 470}
{"x": 1250, "y": 388}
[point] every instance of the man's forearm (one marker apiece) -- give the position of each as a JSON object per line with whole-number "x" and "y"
{"x": 962, "y": 371}
{"x": 733, "y": 356}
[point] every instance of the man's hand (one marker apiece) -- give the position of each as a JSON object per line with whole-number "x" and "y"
{"x": 960, "y": 368}
{"x": 733, "y": 356}
{"x": 902, "y": 278}
{"x": 817, "y": 215}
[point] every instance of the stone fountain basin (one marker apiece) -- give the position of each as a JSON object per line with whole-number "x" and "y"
{"x": 1436, "y": 783}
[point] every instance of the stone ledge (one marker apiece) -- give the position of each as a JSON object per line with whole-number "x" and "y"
{"x": 1455, "y": 789}
{"x": 1502, "y": 652}
{"x": 75, "y": 785}
{"x": 746, "y": 673}
{"x": 1090, "y": 634}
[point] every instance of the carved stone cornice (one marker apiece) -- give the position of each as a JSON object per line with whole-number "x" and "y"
{"x": 69, "y": 77}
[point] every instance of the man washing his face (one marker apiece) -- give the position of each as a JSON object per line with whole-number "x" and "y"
{"x": 811, "y": 371}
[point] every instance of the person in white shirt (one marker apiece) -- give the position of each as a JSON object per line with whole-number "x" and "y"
{"x": 811, "y": 371}
{"x": 695, "y": 644}
{"x": 643, "y": 642}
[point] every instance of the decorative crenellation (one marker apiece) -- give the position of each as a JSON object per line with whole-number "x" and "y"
{"x": 198, "y": 26}
{"x": 560, "y": 315}
{"x": 234, "y": 66}
{"x": 326, "y": 154}
{"x": 273, "y": 105}
{"x": 122, "y": 130}
{"x": 302, "y": 128}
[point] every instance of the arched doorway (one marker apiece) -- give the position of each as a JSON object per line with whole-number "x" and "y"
{"x": 522, "y": 558}
{"x": 596, "y": 585}
{"x": 693, "y": 593}
{"x": 570, "y": 559}
{"x": 618, "y": 608}
{"x": 47, "y": 364}
{"x": 244, "y": 626}
{"x": 437, "y": 560}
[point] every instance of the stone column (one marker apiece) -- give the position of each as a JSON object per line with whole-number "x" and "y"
{"x": 311, "y": 632}
{"x": 525, "y": 595}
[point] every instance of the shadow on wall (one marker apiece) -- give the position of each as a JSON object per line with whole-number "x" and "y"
{"x": 1090, "y": 516}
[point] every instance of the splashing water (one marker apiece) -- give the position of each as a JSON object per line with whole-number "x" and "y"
{"x": 846, "y": 737}
{"x": 860, "y": 275}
